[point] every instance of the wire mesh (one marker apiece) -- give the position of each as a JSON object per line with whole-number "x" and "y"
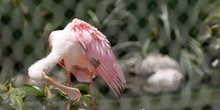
{"x": 168, "y": 25}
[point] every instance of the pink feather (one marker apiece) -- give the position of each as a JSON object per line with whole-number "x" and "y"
{"x": 95, "y": 55}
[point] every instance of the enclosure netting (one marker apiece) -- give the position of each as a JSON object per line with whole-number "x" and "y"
{"x": 169, "y": 25}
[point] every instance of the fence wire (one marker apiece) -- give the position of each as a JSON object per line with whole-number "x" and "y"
{"x": 168, "y": 25}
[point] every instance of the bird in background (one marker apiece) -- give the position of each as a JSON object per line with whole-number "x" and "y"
{"x": 83, "y": 51}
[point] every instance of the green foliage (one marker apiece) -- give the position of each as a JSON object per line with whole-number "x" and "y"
{"x": 85, "y": 89}
{"x": 188, "y": 31}
{"x": 15, "y": 97}
{"x": 178, "y": 31}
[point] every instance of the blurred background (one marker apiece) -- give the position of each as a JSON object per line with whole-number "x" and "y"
{"x": 169, "y": 50}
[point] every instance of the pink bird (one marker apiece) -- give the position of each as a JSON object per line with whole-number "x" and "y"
{"x": 83, "y": 51}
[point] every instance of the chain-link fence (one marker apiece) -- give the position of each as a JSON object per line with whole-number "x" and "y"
{"x": 186, "y": 30}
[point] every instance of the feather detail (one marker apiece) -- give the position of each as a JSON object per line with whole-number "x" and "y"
{"x": 99, "y": 54}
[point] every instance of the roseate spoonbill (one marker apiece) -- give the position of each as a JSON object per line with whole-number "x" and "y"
{"x": 163, "y": 80}
{"x": 83, "y": 51}
{"x": 154, "y": 62}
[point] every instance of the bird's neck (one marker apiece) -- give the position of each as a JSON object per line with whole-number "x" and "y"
{"x": 49, "y": 62}
{"x": 45, "y": 64}
{"x": 61, "y": 46}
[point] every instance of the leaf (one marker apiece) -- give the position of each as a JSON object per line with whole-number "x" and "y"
{"x": 16, "y": 101}
{"x": 60, "y": 94}
{"x": 85, "y": 88}
{"x": 17, "y": 95}
{"x": 85, "y": 100}
{"x": 48, "y": 92}
{"x": 145, "y": 47}
{"x": 196, "y": 47}
{"x": 28, "y": 89}
{"x": 185, "y": 62}
{"x": 43, "y": 99}
{"x": 3, "y": 87}
{"x": 4, "y": 96}
{"x": 94, "y": 18}
{"x": 18, "y": 92}
{"x": 165, "y": 18}
{"x": 50, "y": 26}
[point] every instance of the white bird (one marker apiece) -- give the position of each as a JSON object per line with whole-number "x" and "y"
{"x": 164, "y": 80}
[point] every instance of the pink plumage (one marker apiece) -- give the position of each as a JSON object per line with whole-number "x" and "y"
{"x": 90, "y": 54}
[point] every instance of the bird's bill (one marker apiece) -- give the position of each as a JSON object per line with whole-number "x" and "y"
{"x": 73, "y": 93}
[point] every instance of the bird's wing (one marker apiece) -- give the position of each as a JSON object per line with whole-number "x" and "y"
{"x": 100, "y": 55}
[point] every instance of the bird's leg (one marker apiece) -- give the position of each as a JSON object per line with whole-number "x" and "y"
{"x": 69, "y": 80}
{"x": 73, "y": 93}
{"x": 92, "y": 91}
{"x": 69, "y": 83}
